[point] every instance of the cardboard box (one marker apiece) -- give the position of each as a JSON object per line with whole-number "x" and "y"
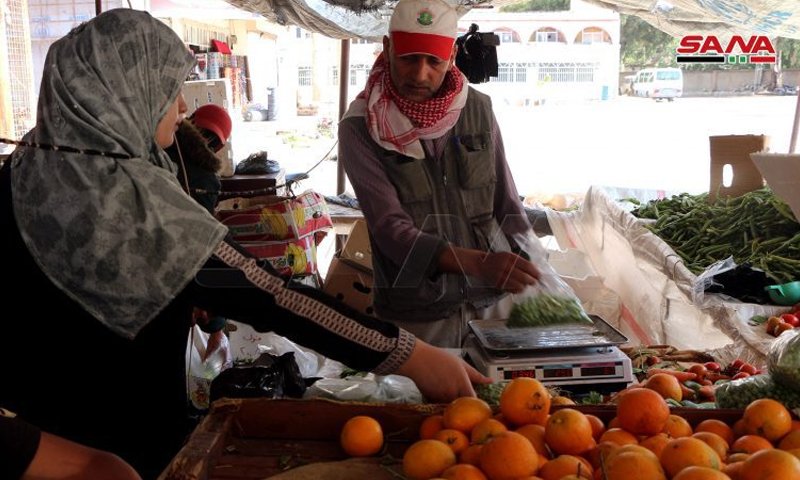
{"x": 258, "y": 437}
{"x": 735, "y": 150}
{"x": 358, "y": 251}
{"x": 351, "y": 285}
{"x": 782, "y": 172}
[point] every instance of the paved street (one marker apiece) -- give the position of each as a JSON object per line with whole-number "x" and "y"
{"x": 565, "y": 148}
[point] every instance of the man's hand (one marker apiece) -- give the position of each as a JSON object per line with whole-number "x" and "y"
{"x": 439, "y": 375}
{"x": 504, "y": 270}
{"x": 507, "y": 271}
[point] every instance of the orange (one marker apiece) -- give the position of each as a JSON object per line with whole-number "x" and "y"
{"x": 677, "y": 426}
{"x": 361, "y": 436}
{"x": 790, "y": 441}
{"x": 637, "y": 449}
{"x": 795, "y": 452}
{"x": 686, "y": 452}
{"x": 508, "y": 456}
{"x": 656, "y": 443}
{"x": 700, "y": 473}
{"x": 629, "y": 465}
{"x": 714, "y": 441}
{"x": 597, "y": 426}
{"x": 486, "y": 430}
{"x": 716, "y": 426}
{"x": 750, "y": 444}
{"x": 525, "y": 400}
{"x": 463, "y": 471}
{"x": 733, "y": 470}
{"x": 562, "y": 466}
{"x": 737, "y": 457}
{"x": 768, "y": 418}
{"x": 614, "y": 423}
{"x": 456, "y": 440}
{"x": 561, "y": 400}
{"x": 535, "y": 434}
{"x": 771, "y": 464}
{"x": 665, "y": 385}
{"x": 568, "y": 432}
{"x": 426, "y": 459}
{"x": 471, "y": 455}
{"x": 642, "y": 411}
{"x": 430, "y": 426}
{"x": 464, "y": 413}
{"x": 618, "y": 436}
{"x": 599, "y": 454}
{"x": 738, "y": 428}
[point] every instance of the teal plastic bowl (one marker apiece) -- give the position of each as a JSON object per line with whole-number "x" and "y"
{"x": 784, "y": 294}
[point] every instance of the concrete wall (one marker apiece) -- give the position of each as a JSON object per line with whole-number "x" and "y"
{"x": 725, "y": 82}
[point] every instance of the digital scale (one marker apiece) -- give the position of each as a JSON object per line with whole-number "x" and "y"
{"x": 578, "y": 358}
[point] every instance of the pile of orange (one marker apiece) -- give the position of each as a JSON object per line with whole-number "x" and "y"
{"x": 525, "y": 440}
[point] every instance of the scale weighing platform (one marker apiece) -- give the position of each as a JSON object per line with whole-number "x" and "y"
{"x": 578, "y": 358}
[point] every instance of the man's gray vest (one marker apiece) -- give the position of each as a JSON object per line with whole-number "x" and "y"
{"x": 452, "y": 199}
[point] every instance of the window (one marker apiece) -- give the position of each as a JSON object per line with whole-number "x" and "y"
{"x": 592, "y": 35}
{"x": 300, "y": 33}
{"x": 566, "y": 72}
{"x": 334, "y": 77}
{"x": 504, "y": 71}
{"x": 304, "y": 76}
{"x": 547, "y": 36}
{"x": 359, "y": 41}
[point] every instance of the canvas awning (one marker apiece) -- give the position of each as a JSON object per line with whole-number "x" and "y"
{"x": 368, "y": 18}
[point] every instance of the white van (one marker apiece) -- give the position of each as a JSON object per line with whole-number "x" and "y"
{"x": 659, "y": 83}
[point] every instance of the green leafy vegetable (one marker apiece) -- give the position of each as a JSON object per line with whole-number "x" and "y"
{"x": 546, "y": 309}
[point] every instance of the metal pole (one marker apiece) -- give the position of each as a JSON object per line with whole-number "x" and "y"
{"x": 98, "y": 7}
{"x": 344, "y": 81}
{"x": 793, "y": 141}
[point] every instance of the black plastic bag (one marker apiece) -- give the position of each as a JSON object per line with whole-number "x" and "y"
{"x": 257, "y": 164}
{"x": 269, "y": 376}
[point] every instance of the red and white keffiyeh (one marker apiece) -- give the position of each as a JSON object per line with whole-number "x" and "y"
{"x": 398, "y": 124}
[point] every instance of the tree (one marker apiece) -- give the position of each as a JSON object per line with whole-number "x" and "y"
{"x": 537, "y": 6}
{"x": 642, "y": 45}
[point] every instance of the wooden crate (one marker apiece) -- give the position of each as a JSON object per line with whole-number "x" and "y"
{"x": 258, "y": 438}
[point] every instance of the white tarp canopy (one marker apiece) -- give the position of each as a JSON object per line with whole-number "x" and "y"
{"x": 368, "y": 18}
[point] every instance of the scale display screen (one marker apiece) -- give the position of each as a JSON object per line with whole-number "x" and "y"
{"x": 598, "y": 371}
{"x": 556, "y": 372}
{"x": 512, "y": 374}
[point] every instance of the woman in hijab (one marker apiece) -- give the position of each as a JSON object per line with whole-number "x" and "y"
{"x": 96, "y": 227}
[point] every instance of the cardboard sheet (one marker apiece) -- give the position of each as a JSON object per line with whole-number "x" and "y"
{"x": 782, "y": 172}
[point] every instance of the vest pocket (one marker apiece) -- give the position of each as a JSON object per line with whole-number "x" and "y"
{"x": 475, "y": 166}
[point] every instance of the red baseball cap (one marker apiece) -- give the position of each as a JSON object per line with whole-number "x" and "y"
{"x": 215, "y": 119}
{"x": 427, "y": 27}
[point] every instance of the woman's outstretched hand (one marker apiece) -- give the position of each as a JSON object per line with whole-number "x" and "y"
{"x": 439, "y": 375}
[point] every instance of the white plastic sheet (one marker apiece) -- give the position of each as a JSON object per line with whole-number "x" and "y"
{"x": 657, "y": 299}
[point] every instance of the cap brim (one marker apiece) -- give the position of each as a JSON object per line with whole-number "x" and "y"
{"x": 405, "y": 43}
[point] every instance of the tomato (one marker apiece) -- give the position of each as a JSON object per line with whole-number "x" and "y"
{"x": 748, "y": 369}
{"x": 737, "y": 364}
{"x": 741, "y": 375}
{"x": 712, "y": 366}
{"x": 700, "y": 370}
{"x": 791, "y": 319}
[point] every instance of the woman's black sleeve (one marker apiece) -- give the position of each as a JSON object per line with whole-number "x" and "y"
{"x": 19, "y": 441}
{"x": 238, "y": 287}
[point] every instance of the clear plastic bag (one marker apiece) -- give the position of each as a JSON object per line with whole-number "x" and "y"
{"x": 550, "y": 300}
{"x": 201, "y": 369}
{"x": 783, "y": 360}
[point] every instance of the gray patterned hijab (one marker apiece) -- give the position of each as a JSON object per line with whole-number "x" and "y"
{"x": 117, "y": 235}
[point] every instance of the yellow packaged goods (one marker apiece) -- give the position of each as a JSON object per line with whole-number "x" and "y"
{"x": 289, "y": 257}
{"x": 271, "y": 218}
